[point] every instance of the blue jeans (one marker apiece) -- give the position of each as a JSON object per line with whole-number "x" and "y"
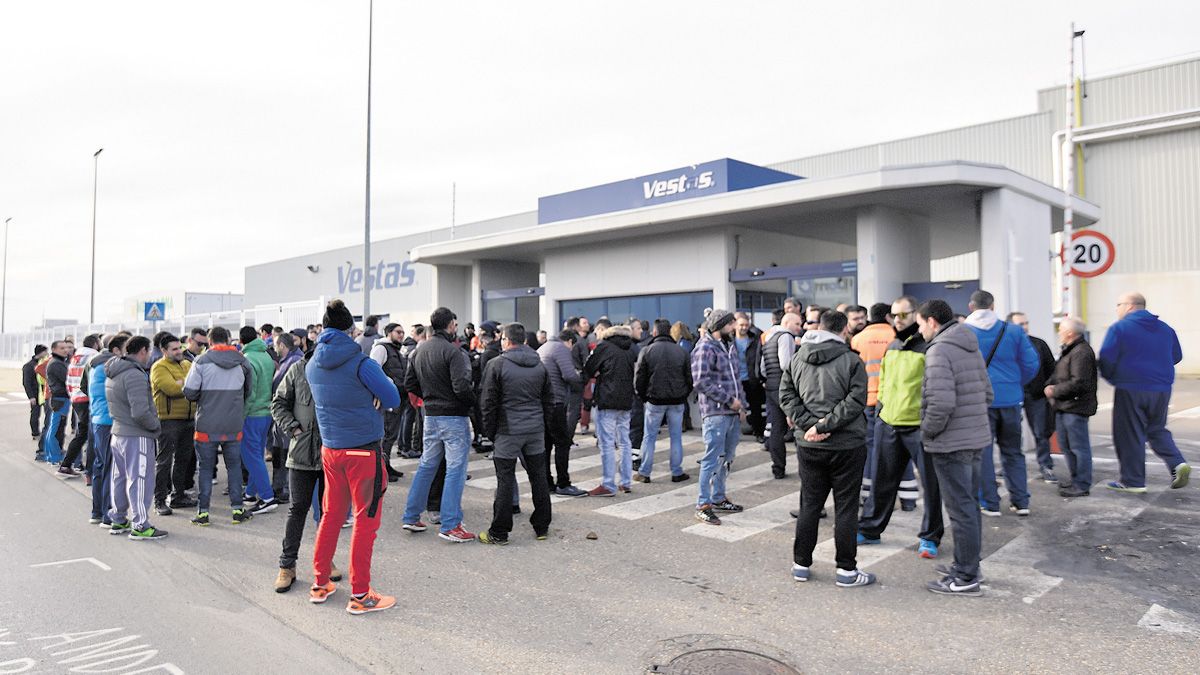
{"x": 254, "y": 442}
{"x": 101, "y": 435}
{"x": 206, "y": 454}
{"x": 444, "y": 436}
{"x": 721, "y": 433}
{"x": 1076, "y": 448}
{"x": 1039, "y": 415}
{"x": 1006, "y": 429}
{"x": 612, "y": 430}
{"x": 654, "y": 418}
{"x": 54, "y": 451}
{"x": 1138, "y": 417}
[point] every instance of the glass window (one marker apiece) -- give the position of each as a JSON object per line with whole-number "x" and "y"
{"x": 825, "y": 291}
{"x": 686, "y": 307}
{"x": 503, "y": 310}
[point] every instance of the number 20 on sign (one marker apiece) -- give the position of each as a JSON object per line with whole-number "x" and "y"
{"x": 1091, "y": 253}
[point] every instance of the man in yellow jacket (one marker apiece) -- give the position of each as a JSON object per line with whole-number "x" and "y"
{"x": 176, "y": 452}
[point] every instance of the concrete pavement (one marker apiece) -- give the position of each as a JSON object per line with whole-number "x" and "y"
{"x": 1102, "y": 583}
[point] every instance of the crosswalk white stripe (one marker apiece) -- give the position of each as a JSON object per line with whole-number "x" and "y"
{"x": 577, "y": 464}
{"x": 1190, "y": 413}
{"x": 636, "y": 509}
{"x": 738, "y": 526}
{"x": 687, "y": 459}
{"x": 901, "y": 534}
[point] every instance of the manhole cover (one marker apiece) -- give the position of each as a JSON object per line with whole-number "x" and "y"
{"x": 726, "y": 662}
{"x": 718, "y": 655}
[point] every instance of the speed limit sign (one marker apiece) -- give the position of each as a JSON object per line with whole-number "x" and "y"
{"x": 1091, "y": 253}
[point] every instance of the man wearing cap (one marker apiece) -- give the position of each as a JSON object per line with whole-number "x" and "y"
{"x": 722, "y": 405}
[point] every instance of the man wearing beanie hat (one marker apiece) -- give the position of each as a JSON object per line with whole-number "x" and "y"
{"x": 349, "y": 390}
{"x": 722, "y": 404}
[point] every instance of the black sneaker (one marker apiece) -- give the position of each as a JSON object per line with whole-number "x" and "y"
{"x": 265, "y": 506}
{"x": 727, "y": 507}
{"x": 706, "y": 515}
{"x": 680, "y": 478}
{"x": 1070, "y": 492}
{"x": 240, "y": 516}
{"x": 949, "y": 585}
{"x": 516, "y": 509}
{"x": 200, "y": 519}
{"x": 184, "y": 502}
{"x": 162, "y": 509}
{"x": 945, "y": 571}
{"x": 637, "y": 463}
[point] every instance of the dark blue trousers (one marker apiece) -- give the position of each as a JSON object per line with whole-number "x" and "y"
{"x": 1138, "y": 417}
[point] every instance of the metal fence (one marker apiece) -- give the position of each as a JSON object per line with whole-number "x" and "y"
{"x": 16, "y": 348}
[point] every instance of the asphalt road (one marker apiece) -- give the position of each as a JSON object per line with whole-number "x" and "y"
{"x": 1103, "y": 583}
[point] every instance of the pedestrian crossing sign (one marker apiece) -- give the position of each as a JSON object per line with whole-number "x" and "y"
{"x": 154, "y": 311}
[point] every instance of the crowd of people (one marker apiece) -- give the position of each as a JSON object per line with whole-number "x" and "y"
{"x": 883, "y": 405}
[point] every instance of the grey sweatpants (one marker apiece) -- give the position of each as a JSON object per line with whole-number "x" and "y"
{"x": 132, "y": 479}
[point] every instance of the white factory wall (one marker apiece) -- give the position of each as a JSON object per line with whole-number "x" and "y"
{"x": 672, "y": 263}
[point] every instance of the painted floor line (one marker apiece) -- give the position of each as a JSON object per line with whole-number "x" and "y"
{"x": 1161, "y": 619}
{"x": 664, "y": 471}
{"x": 637, "y": 509}
{"x": 738, "y": 526}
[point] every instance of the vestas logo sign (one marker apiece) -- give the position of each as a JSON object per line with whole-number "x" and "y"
{"x": 689, "y": 182}
{"x": 381, "y": 276}
{"x": 652, "y": 189}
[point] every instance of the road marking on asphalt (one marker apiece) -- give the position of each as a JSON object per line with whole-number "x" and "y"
{"x": 687, "y": 459}
{"x": 1188, "y": 414}
{"x": 636, "y": 509}
{"x": 738, "y": 526}
{"x": 901, "y": 535}
{"x": 93, "y": 561}
{"x": 1103, "y": 407}
{"x": 1161, "y": 619}
{"x": 1010, "y": 571}
{"x": 577, "y": 464}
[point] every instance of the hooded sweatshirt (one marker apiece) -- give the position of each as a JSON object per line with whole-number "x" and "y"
{"x": 1015, "y": 361}
{"x": 1140, "y": 353}
{"x": 258, "y": 404}
{"x": 956, "y": 392}
{"x": 516, "y": 395}
{"x": 345, "y": 383}
{"x": 611, "y": 363}
{"x": 127, "y": 387}
{"x": 220, "y": 381}
{"x": 825, "y": 386}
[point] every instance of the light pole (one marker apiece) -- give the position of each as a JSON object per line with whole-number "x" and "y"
{"x": 367, "y": 281}
{"x": 4, "y": 283}
{"x": 95, "y": 183}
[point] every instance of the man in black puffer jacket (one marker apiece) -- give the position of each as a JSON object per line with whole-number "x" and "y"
{"x": 516, "y": 399}
{"x": 611, "y": 363}
{"x": 663, "y": 378}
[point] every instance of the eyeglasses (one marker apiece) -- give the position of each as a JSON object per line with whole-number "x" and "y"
{"x": 902, "y": 315}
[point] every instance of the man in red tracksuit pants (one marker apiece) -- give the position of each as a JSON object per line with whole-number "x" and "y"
{"x": 349, "y": 391}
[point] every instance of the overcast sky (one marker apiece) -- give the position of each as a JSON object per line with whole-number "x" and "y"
{"x": 234, "y": 132}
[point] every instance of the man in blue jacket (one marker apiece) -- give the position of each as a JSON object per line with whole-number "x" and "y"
{"x": 1138, "y": 358}
{"x": 1011, "y": 363}
{"x": 349, "y": 390}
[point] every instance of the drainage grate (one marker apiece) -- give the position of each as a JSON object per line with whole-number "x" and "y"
{"x": 718, "y": 655}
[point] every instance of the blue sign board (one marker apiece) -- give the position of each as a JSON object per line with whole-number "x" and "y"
{"x": 154, "y": 311}
{"x": 700, "y": 180}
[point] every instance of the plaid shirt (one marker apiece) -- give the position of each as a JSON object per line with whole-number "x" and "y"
{"x": 715, "y": 374}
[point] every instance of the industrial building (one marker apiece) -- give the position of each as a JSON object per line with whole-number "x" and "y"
{"x": 935, "y": 215}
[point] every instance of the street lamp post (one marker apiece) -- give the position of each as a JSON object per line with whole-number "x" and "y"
{"x": 95, "y": 184}
{"x": 4, "y": 283}
{"x": 367, "y": 267}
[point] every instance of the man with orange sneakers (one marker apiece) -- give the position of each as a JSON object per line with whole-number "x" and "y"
{"x": 349, "y": 391}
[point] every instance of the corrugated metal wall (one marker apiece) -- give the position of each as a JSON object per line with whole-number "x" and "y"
{"x": 1149, "y": 188}
{"x": 1162, "y": 89}
{"x": 1020, "y": 143}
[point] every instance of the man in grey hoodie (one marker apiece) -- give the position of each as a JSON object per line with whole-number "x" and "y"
{"x": 823, "y": 391}
{"x": 135, "y": 434}
{"x": 219, "y": 382}
{"x": 955, "y": 394}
